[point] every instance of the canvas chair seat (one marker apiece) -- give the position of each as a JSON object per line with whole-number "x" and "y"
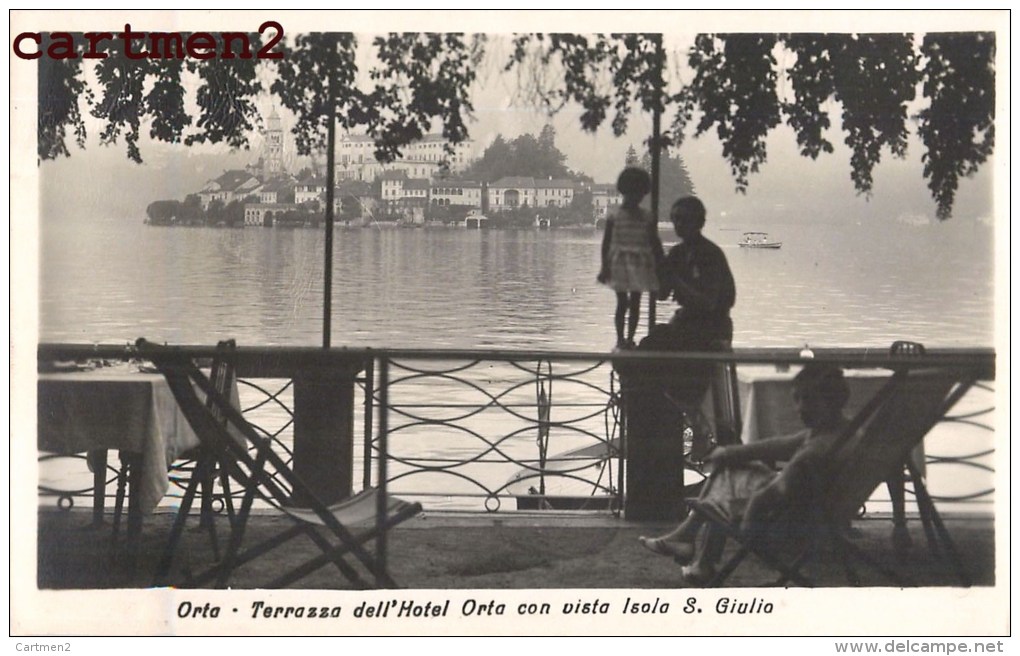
{"x": 358, "y": 510}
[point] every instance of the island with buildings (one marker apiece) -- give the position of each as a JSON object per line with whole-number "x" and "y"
{"x": 434, "y": 183}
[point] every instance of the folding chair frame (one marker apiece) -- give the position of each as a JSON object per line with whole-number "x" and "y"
{"x": 205, "y": 470}
{"x": 830, "y": 528}
{"x": 215, "y": 420}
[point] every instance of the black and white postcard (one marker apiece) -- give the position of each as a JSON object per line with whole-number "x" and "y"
{"x": 511, "y": 322}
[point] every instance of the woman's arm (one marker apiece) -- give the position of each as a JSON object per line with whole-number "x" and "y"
{"x": 771, "y": 449}
{"x": 703, "y": 293}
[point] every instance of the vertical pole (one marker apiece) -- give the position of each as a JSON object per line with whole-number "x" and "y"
{"x": 381, "y": 500}
{"x": 653, "y": 479}
{"x": 655, "y": 148}
{"x": 327, "y": 270}
{"x": 369, "y": 409}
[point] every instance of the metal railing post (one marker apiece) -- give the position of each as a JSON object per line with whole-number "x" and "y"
{"x": 621, "y": 461}
{"x": 369, "y": 410}
{"x": 381, "y": 500}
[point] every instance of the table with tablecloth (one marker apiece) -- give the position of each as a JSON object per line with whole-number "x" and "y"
{"x": 768, "y": 410}
{"x": 116, "y": 408}
{"x": 766, "y": 398}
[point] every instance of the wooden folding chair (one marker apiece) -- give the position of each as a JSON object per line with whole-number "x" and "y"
{"x": 876, "y": 443}
{"x": 193, "y": 469}
{"x": 340, "y": 531}
{"x": 202, "y": 470}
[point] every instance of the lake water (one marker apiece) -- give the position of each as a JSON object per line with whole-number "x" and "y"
{"x": 111, "y": 281}
{"x": 847, "y": 285}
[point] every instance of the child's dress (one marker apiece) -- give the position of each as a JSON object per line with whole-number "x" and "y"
{"x": 631, "y": 254}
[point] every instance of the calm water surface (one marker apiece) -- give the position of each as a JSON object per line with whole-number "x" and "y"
{"x": 848, "y": 285}
{"x": 112, "y": 281}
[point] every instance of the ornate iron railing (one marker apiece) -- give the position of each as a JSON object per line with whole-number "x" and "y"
{"x": 497, "y": 431}
{"x": 949, "y": 460}
{"x": 475, "y": 432}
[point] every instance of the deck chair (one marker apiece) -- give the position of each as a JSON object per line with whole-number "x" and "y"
{"x": 199, "y": 468}
{"x": 876, "y": 443}
{"x": 339, "y": 531}
{"x": 912, "y": 471}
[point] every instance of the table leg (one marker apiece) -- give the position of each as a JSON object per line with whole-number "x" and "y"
{"x": 133, "y": 461}
{"x": 97, "y": 463}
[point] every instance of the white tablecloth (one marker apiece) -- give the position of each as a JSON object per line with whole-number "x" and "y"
{"x": 115, "y": 408}
{"x": 766, "y": 399}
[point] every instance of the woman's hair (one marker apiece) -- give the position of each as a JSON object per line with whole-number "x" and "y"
{"x": 826, "y": 380}
{"x": 633, "y": 180}
{"x": 689, "y": 205}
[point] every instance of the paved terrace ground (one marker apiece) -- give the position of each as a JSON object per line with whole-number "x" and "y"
{"x": 493, "y": 551}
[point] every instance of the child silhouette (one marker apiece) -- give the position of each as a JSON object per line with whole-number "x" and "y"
{"x": 631, "y": 250}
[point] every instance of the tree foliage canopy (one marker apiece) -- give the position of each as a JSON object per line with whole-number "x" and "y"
{"x": 525, "y": 155}
{"x": 674, "y": 180}
{"x": 736, "y": 85}
{"x": 736, "y": 89}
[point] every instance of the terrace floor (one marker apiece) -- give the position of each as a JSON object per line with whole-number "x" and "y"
{"x": 492, "y": 551}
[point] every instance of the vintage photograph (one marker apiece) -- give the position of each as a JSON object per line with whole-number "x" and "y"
{"x": 510, "y": 322}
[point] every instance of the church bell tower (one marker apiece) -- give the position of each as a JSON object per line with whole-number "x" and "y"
{"x": 273, "y": 160}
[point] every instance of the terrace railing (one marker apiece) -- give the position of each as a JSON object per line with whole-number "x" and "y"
{"x": 475, "y": 430}
{"x": 506, "y": 431}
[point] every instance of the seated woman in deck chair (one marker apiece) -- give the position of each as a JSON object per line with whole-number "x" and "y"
{"x": 744, "y": 485}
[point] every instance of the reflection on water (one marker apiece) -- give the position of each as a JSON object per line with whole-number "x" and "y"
{"x": 852, "y": 285}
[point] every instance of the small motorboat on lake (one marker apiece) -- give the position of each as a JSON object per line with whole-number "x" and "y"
{"x": 758, "y": 240}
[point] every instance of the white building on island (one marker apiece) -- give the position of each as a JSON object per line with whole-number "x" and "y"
{"x": 425, "y": 159}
